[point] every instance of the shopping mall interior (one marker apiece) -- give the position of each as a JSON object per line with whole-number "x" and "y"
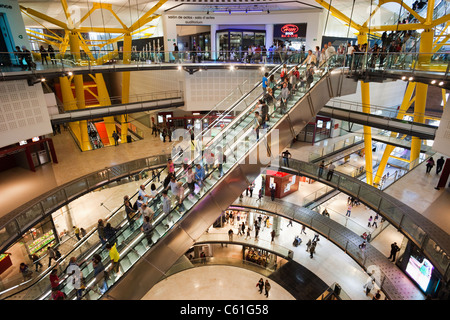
{"x": 184, "y": 150}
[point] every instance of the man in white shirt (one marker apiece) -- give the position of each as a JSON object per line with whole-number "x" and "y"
{"x": 146, "y": 211}
{"x": 330, "y": 51}
{"x": 350, "y": 50}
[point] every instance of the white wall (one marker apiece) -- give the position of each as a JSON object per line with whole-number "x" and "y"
{"x": 312, "y": 17}
{"x": 386, "y": 94}
{"x": 23, "y": 112}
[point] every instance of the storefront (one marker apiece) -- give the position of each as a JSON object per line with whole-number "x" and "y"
{"x": 316, "y": 131}
{"x": 292, "y": 35}
{"x": 234, "y": 43}
{"x": 283, "y": 183}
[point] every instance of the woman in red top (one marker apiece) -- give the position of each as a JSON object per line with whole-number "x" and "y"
{"x": 54, "y": 279}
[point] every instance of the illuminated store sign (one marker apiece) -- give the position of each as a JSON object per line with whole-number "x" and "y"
{"x": 289, "y": 30}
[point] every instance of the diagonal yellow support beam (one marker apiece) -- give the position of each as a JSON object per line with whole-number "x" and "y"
{"x": 406, "y": 103}
{"x": 338, "y": 14}
{"x": 404, "y": 5}
{"x": 44, "y": 17}
{"x": 141, "y": 21}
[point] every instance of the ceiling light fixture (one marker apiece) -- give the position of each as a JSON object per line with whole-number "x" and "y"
{"x": 411, "y": 79}
{"x": 404, "y": 78}
{"x": 441, "y": 83}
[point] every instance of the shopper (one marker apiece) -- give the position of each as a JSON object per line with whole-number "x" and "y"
{"x": 75, "y": 277}
{"x": 129, "y": 211}
{"x": 321, "y": 167}
{"x": 286, "y": 156}
{"x": 349, "y": 211}
{"x": 101, "y": 232}
{"x": 303, "y": 229}
{"x": 394, "y": 250}
{"x": 430, "y": 164}
{"x": 230, "y": 235}
{"x": 100, "y": 274}
{"x": 147, "y": 230}
{"x": 312, "y": 249}
{"x": 114, "y": 256}
{"x": 272, "y": 192}
{"x": 51, "y": 255}
{"x": 267, "y": 288}
{"x": 439, "y": 164}
{"x": 308, "y": 245}
{"x": 330, "y": 173}
{"x": 36, "y": 261}
{"x": 369, "y": 286}
{"x": 110, "y": 233}
{"x": 25, "y": 271}
{"x": 272, "y": 234}
{"x": 54, "y": 279}
{"x": 260, "y": 285}
{"x": 76, "y": 231}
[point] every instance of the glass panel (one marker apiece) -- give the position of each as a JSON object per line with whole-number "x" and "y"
{"x": 75, "y": 188}
{"x": 391, "y": 211}
{"x": 29, "y": 216}
{"x": 369, "y": 196}
{"x": 349, "y": 185}
{"x": 54, "y": 200}
{"x": 413, "y": 229}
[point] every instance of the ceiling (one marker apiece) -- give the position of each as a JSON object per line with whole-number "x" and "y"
{"x": 130, "y": 10}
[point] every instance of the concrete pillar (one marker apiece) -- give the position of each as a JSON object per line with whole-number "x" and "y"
{"x": 214, "y": 49}
{"x": 276, "y": 225}
{"x": 68, "y": 218}
{"x": 269, "y": 35}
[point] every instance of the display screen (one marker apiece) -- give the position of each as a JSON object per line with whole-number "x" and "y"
{"x": 420, "y": 271}
{"x": 289, "y": 30}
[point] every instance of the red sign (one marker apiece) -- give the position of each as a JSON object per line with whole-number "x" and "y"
{"x": 289, "y": 28}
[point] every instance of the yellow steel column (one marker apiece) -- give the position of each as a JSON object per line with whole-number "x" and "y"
{"x": 125, "y": 84}
{"x": 365, "y": 99}
{"x": 69, "y": 103}
{"x": 426, "y": 46}
{"x": 79, "y": 91}
{"x": 389, "y": 148}
{"x": 104, "y": 100}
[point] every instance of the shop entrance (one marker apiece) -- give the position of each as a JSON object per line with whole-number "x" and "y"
{"x": 194, "y": 42}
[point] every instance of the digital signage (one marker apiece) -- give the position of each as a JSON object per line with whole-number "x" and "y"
{"x": 420, "y": 271}
{"x": 289, "y": 30}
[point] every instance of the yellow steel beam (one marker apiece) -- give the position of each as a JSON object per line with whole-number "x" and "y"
{"x": 34, "y": 37}
{"x": 426, "y": 45}
{"x": 406, "y": 103}
{"x": 430, "y": 10}
{"x": 44, "y": 17}
{"x": 404, "y": 5}
{"x": 336, "y": 13}
{"x": 365, "y": 99}
{"x": 117, "y": 18}
{"x": 401, "y": 159}
{"x": 141, "y": 21}
{"x": 100, "y": 29}
{"x": 44, "y": 34}
{"x": 125, "y": 84}
{"x": 67, "y": 14}
{"x": 104, "y": 100}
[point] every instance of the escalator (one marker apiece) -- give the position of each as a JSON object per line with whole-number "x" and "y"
{"x": 420, "y": 130}
{"x": 143, "y": 265}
